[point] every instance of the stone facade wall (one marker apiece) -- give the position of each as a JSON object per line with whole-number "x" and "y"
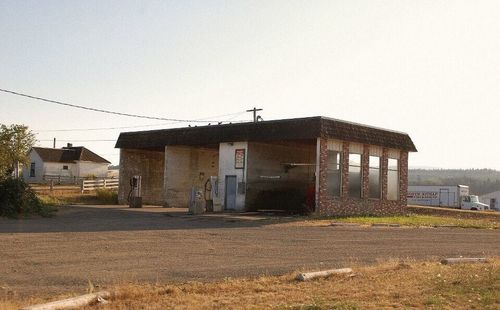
{"x": 150, "y": 166}
{"x": 345, "y": 205}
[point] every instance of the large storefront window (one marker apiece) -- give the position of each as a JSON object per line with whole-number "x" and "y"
{"x": 333, "y": 173}
{"x": 393, "y": 179}
{"x": 355, "y": 175}
{"x": 374, "y": 177}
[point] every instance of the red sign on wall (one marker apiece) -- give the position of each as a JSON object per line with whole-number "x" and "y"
{"x": 239, "y": 158}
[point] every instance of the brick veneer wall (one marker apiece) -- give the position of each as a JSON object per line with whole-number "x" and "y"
{"x": 345, "y": 205}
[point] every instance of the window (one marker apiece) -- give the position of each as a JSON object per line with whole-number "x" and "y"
{"x": 65, "y": 167}
{"x": 32, "y": 170}
{"x": 333, "y": 174}
{"x": 374, "y": 177}
{"x": 393, "y": 179}
{"x": 355, "y": 175}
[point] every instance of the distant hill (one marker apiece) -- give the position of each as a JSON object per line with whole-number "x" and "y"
{"x": 480, "y": 181}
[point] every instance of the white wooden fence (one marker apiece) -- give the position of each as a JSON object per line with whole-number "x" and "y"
{"x": 91, "y": 185}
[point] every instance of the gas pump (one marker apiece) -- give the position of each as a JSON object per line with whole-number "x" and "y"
{"x": 134, "y": 196}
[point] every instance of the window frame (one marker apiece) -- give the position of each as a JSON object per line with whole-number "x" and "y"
{"x": 339, "y": 170}
{"x": 33, "y": 170}
{"x": 360, "y": 175}
{"x": 397, "y": 170}
{"x": 379, "y": 169}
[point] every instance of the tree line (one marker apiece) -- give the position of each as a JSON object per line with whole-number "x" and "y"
{"x": 480, "y": 181}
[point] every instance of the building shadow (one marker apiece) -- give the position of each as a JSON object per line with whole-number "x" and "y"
{"x": 119, "y": 218}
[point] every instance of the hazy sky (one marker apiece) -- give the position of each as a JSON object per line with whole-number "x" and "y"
{"x": 429, "y": 68}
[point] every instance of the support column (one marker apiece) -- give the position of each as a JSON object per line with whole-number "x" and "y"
{"x": 403, "y": 177}
{"x": 365, "y": 171}
{"x": 321, "y": 172}
{"x": 345, "y": 170}
{"x": 383, "y": 170}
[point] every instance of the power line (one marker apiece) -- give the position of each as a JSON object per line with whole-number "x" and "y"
{"x": 138, "y": 126}
{"x": 97, "y": 140}
{"x": 101, "y": 110}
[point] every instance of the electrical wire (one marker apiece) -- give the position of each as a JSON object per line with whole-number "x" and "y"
{"x": 102, "y": 110}
{"x": 97, "y": 140}
{"x": 140, "y": 126}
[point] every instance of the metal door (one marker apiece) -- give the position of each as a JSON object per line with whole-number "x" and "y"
{"x": 444, "y": 197}
{"x": 230, "y": 196}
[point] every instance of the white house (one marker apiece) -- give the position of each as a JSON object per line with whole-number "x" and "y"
{"x": 66, "y": 164}
{"x": 491, "y": 199}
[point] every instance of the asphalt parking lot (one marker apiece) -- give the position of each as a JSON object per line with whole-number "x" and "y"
{"x": 113, "y": 244}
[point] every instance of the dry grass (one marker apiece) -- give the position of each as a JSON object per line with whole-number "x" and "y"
{"x": 423, "y": 220}
{"x": 410, "y": 220}
{"x": 389, "y": 285}
{"x": 65, "y": 198}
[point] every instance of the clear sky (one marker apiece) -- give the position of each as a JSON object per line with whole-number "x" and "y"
{"x": 428, "y": 68}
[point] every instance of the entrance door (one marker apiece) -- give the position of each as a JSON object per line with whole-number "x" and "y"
{"x": 444, "y": 197}
{"x": 230, "y": 196}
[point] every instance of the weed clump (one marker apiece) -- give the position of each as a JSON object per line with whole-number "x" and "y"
{"x": 106, "y": 195}
{"x": 17, "y": 199}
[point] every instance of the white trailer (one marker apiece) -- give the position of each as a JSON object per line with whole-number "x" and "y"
{"x": 444, "y": 196}
{"x": 435, "y": 195}
{"x": 491, "y": 199}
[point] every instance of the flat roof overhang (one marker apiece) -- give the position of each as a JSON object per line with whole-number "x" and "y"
{"x": 266, "y": 131}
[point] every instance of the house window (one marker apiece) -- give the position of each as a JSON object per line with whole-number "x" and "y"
{"x": 355, "y": 175}
{"x": 333, "y": 173}
{"x": 374, "y": 177}
{"x": 393, "y": 179}
{"x": 32, "y": 170}
{"x": 65, "y": 167}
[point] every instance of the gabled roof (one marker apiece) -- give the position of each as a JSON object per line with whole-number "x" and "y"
{"x": 68, "y": 155}
{"x": 276, "y": 130}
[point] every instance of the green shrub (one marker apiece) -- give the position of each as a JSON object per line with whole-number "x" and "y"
{"x": 18, "y": 199}
{"x": 108, "y": 196}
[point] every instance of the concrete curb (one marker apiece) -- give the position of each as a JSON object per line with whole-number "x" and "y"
{"x": 385, "y": 225}
{"x": 344, "y": 224}
{"x": 463, "y": 260}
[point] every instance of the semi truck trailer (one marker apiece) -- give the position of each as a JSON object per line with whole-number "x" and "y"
{"x": 444, "y": 196}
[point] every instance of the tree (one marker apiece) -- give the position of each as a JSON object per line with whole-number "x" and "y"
{"x": 15, "y": 143}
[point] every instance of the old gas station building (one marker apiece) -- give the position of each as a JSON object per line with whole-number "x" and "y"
{"x": 330, "y": 166}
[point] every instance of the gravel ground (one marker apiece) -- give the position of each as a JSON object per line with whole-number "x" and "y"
{"x": 112, "y": 244}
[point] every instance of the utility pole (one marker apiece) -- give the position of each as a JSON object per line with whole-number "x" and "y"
{"x": 254, "y": 110}
{"x": 54, "y": 146}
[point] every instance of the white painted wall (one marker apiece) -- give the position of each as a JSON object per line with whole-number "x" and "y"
{"x": 56, "y": 169}
{"x": 486, "y": 198}
{"x": 79, "y": 169}
{"x": 34, "y": 158}
{"x": 226, "y": 167}
{"x": 86, "y": 169}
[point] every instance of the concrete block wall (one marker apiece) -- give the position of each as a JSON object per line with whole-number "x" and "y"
{"x": 187, "y": 167}
{"x": 149, "y": 165}
{"x": 345, "y": 205}
{"x": 266, "y": 159}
